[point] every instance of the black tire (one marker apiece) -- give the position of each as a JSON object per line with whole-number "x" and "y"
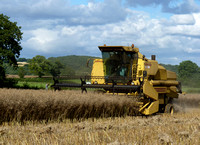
{"x": 169, "y": 108}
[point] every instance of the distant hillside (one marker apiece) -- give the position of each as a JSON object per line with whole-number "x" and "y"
{"x": 76, "y": 63}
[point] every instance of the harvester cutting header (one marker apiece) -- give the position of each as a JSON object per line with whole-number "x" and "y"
{"x": 123, "y": 70}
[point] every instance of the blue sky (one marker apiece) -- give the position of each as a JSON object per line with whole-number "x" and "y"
{"x": 169, "y": 29}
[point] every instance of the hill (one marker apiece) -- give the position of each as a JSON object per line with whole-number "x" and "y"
{"x": 75, "y": 63}
{"x": 78, "y": 64}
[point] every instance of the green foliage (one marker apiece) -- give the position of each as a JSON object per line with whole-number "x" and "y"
{"x": 188, "y": 73}
{"x": 39, "y": 65}
{"x": 22, "y": 60}
{"x": 75, "y": 64}
{"x": 68, "y": 71}
{"x": 71, "y": 65}
{"x": 55, "y": 68}
{"x": 14, "y": 71}
{"x": 21, "y": 72}
{"x": 9, "y": 83}
{"x": 10, "y": 37}
{"x": 187, "y": 69}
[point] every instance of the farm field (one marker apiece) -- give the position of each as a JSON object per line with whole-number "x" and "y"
{"x": 69, "y": 117}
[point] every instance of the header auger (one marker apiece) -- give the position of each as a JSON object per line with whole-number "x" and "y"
{"x": 123, "y": 70}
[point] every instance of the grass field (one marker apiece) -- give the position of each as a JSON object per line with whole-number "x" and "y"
{"x": 191, "y": 89}
{"x": 33, "y": 82}
{"x": 103, "y": 119}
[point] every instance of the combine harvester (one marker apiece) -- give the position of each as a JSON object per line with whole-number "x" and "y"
{"x": 123, "y": 70}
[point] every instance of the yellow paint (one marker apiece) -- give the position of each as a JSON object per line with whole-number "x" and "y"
{"x": 97, "y": 70}
{"x": 149, "y": 90}
{"x": 158, "y": 86}
{"x": 153, "y": 108}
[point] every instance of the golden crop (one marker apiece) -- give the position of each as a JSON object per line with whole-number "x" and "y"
{"x": 22, "y": 105}
{"x": 26, "y": 110}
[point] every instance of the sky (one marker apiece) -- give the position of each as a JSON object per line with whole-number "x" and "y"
{"x": 169, "y": 29}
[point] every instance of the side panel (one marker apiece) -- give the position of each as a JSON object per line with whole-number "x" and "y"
{"x": 161, "y": 73}
{"x": 97, "y": 72}
{"x": 171, "y": 75}
{"x": 151, "y": 67}
{"x": 149, "y": 90}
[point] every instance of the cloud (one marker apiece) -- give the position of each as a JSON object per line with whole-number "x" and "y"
{"x": 186, "y": 25}
{"x": 185, "y": 7}
{"x": 94, "y": 13}
{"x": 146, "y": 2}
{"x": 169, "y": 6}
{"x": 191, "y": 50}
{"x": 56, "y": 28}
{"x": 152, "y": 36}
{"x": 186, "y": 19}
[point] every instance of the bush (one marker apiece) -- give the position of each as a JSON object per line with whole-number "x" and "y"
{"x": 21, "y": 72}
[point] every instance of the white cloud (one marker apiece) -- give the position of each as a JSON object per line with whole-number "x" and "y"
{"x": 186, "y": 19}
{"x": 197, "y": 18}
{"x": 41, "y": 40}
{"x": 152, "y": 36}
{"x": 94, "y": 13}
{"x": 58, "y": 29}
{"x": 184, "y": 25}
{"x": 191, "y": 50}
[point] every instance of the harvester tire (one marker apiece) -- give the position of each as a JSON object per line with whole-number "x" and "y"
{"x": 169, "y": 108}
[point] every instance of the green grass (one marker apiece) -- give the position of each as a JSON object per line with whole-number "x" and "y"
{"x": 190, "y": 90}
{"x": 40, "y": 83}
{"x": 47, "y": 80}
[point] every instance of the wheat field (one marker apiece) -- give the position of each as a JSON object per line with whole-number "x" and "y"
{"x": 25, "y": 105}
{"x": 46, "y": 117}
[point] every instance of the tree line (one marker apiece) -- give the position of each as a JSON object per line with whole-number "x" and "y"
{"x": 39, "y": 66}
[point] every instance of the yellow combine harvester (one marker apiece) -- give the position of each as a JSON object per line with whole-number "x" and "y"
{"x": 123, "y": 70}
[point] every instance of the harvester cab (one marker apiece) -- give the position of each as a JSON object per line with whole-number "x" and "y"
{"x": 123, "y": 70}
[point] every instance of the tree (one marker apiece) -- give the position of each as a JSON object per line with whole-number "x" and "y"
{"x": 55, "y": 68}
{"x": 22, "y": 60}
{"x": 10, "y": 37}
{"x": 68, "y": 71}
{"x": 187, "y": 69}
{"x": 21, "y": 72}
{"x": 39, "y": 65}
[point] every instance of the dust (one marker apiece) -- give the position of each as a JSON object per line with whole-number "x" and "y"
{"x": 187, "y": 103}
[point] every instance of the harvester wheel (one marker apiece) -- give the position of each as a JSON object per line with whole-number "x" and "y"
{"x": 169, "y": 108}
